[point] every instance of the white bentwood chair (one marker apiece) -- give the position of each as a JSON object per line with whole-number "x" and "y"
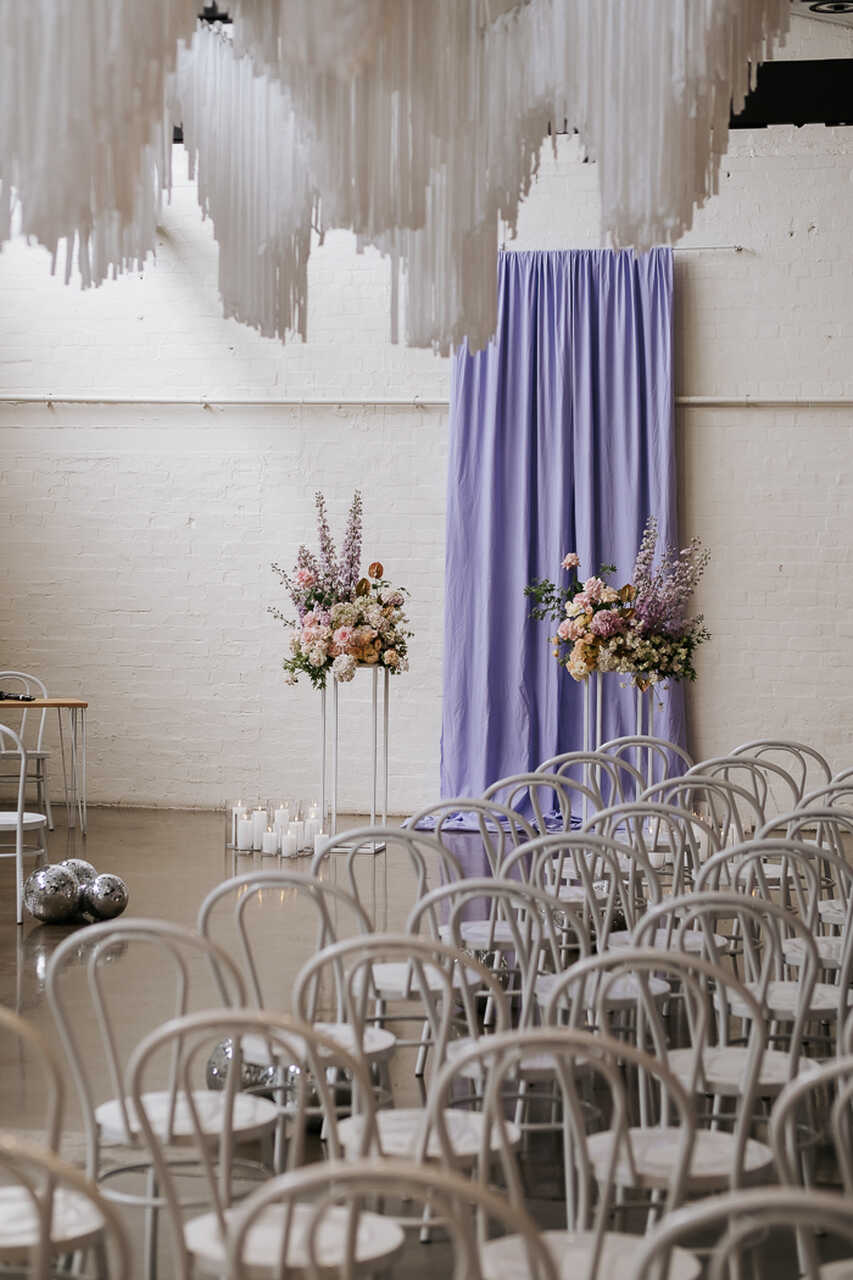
{"x": 207, "y": 1127}
{"x": 744, "y": 1220}
{"x": 321, "y": 1228}
{"x": 89, "y": 977}
{"x": 605, "y": 1160}
{"x": 50, "y": 1211}
{"x": 17, "y": 821}
{"x": 37, "y": 756}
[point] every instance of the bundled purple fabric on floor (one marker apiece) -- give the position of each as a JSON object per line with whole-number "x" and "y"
{"x": 562, "y": 439}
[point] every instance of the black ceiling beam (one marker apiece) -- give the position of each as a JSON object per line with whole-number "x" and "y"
{"x": 802, "y": 92}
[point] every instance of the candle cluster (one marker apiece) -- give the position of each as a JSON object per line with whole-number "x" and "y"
{"x": 279, "y": 828}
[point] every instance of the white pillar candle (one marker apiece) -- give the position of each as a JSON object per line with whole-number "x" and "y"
{"x": 281, "y": 817}
{"x": 259, "y": 826}
{"x": 319, "y": 841}
{"x": 314, "y": 811}
{"x": 236, "y": 815}
{"x": 244, "y": 833}
{"x": 298, "y": 829}
{"x": 312, "y": 828}
{"x": 270, "y": 842}
{"x": 288, "y": 843}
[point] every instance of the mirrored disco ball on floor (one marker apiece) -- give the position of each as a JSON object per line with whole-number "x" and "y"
{"x": 52, "y": 894}
{"x": 83, "y": 871}
{"x": 105, "y": 897}
{"x": 277, "y": 1081}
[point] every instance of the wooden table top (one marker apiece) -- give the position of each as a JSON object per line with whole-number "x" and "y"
{"x": 40, "y": 704}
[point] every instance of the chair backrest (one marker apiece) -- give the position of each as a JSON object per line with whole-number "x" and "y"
{"x": 12, "y": 743}
{"x": 343, "y": 1195}
{"x": 835, "y": 795}
{"x": 745, "y": 1218}
{"x": 182, "y": 971}
{"x": 772, "y": 787}
{"x": 762, "y": 929}
{"x": 426, "y": 857}
{"x": 806, "y": 766}
{"x": 655, "y": 759}
{"x": 595, "y": 991}
{"x": 548, "y": 795}
{"x": 499, "y": 828}
{"x": 665, "y": 834}
{"x": 31, "y": 726}
{"x": 820, "y": 1100}
{"x": 442, "y": 978}
{"x": 796, "y": 877}
{"x": 42, "y": 1176}
{"x": 827, "y": 828}
{"x": 843, "y": 775}
{"x": 250, "y": 914}
{"x": 29, "y": 1046}
{"x": 728, "y": 808}
{"x": 303, "y": 1062}
{"x": 610, "y": 777}
{"x": 609, "y": 883}
{"x": 541, "y": 932}
{"x": 580, "y": 1065}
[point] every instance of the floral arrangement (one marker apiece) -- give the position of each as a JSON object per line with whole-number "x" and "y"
{"x": 343, "y": 619}
{"x": 641, "y": 629}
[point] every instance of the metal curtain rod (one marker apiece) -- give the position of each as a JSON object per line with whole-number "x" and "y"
{"x": 689, "y": 402}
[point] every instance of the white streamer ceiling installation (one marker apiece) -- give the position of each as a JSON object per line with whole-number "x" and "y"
{"x": 415, "y": 123}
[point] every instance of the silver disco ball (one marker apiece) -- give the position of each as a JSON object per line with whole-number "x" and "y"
{"x": 52, "y": 894}
{"x": 105, "y": 897}
{"x": 83, "y": 871}
{"x": 270, "y": 1080}
{"x": 253, "y": 1075}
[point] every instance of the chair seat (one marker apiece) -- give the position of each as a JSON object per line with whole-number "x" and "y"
{"x": 725, "y": 1065}
{"x": 76, "y": 1223}
{"x": 252, "y": 1116}
{"x": 655, "y": 1151}
{"x": 482, "y": 935}
{"x": 9, "y": 820}
{"x": 832, "y": 911}
{"x": 783, "y": 998}
{"x": 378, "y": 1241}
{"x": 377, "y": 1044}
{"x": 622, "y": 992}
{"x": 506, "y": 1258}
{"x": 828, "y": 949}
{"x": 577, "y": 892}
{"x": 841, "y": 1269}
{"x": 692, "y": 940}
{"x": 400, "y": 1130}
{"x": 531, "y": 1066}
{"x": 396, "y": 980}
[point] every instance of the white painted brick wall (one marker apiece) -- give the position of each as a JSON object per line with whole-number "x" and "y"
{"x": 136, "y": 539}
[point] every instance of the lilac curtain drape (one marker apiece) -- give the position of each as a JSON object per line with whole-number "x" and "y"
{"x": 562, "y": 439}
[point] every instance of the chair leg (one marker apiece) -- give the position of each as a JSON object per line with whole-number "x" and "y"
{"x": 151, "y": 1223}
{"x": 19, "y": 875}
{"x": 45, "y": 794}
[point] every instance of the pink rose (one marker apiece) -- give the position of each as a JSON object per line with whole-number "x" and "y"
{"x": 305, "y": 578}
{"x": 593, "y": 588}
{"x": 571, "y": 561}
{"x": 565, "y": 629}
{"x": 342, "y": 637}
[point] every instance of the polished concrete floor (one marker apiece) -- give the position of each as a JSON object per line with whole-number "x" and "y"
{"x": 170, "y": 861}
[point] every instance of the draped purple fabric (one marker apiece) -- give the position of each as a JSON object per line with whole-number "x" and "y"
{"x": 562, "y": 439}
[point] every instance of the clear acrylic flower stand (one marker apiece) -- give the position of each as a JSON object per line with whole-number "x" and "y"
{"x": 330, "y": 750}
{"x": 593, "y": 693}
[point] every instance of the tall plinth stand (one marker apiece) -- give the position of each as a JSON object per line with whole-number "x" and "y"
{"x": 593, "y": 692}
{"x": 331, "y": 754}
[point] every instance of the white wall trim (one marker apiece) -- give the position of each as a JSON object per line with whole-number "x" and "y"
{"x": 682, "y": 402}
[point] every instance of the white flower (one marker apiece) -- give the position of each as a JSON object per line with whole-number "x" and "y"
{"x": 343, "y": 668}
{"x": 317, "y": 655}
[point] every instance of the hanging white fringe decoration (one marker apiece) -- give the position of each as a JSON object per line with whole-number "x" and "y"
{"x": 253, "y": 179}
{"x": 416, "y": 123}
{"x": 84, "y": 145}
